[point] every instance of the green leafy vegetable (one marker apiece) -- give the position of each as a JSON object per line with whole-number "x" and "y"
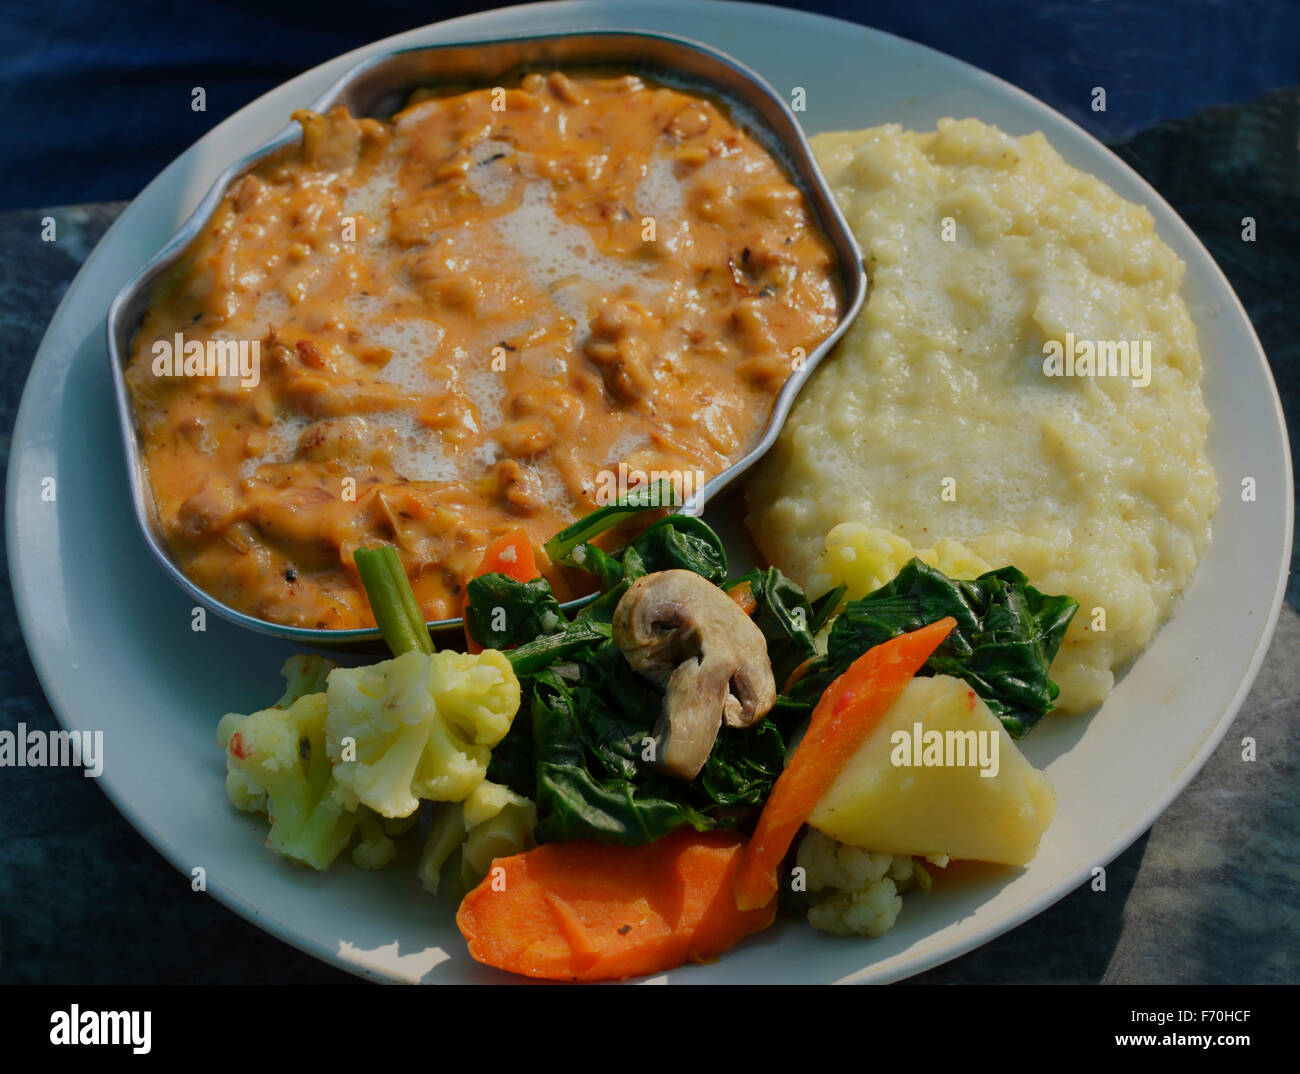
{"x": 503, "y": 612}
{"x": 578, "y": 745}
{"x": 786, "y": 618}
{"x": 592, "y": 782}
{"x": 677, "y": 542}
{"x": 643, "y": 498}
{"x": 1006, "y": 637}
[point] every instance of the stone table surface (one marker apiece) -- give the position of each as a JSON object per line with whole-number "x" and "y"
{"x": 1207, "y": 895}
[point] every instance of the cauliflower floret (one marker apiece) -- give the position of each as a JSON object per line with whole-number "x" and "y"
{"x": 418, "y": 726}
{"x": 869, "y": 912}
{"x": 862, "y": 890}
{"x": 377, "y": 845}
{"x": 466, "y": 837}
{"x": 276, "y": 762}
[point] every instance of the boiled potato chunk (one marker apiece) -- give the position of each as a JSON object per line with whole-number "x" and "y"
{"x": 922, "y": 784}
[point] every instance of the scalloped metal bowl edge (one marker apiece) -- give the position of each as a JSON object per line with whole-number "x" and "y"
{"x": 376, "y": 80}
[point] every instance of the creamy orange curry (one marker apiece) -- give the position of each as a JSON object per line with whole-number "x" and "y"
{"x": 465, "y": 317}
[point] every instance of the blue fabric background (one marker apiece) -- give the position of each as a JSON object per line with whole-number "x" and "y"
{"x": 96, "y": 94}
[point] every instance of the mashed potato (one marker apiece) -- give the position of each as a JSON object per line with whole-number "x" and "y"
{"x": 935, "y": 419}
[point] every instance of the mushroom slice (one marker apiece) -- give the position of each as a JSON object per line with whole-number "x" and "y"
{"x": 676, "y": 627}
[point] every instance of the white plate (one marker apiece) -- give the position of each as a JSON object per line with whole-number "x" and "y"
{"x": 111, "y": 638}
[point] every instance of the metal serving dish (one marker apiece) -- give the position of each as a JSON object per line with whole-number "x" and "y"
{"x": 380, "y": 86}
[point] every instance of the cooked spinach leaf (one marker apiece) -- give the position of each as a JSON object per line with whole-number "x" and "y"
{"x": 503, "y": 612}
{"x": 591, "y": 781}
{"x": 744, "y": 764}
{"x": 676, "y": 542}
{"x": 786, "y": 618}
{"x": 607, "y": 569}
{"x": 647, "y": 497}
{"x": 1006, "y": 637}
{"x": 578, "y": 745}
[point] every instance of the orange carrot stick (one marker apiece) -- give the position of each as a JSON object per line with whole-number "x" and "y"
{"x": 510, "y": 554}
{"x": 586, "y": 912}
{"x": 848, "y": 710}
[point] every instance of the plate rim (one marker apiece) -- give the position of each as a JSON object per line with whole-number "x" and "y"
{"x": 918, "y": 962}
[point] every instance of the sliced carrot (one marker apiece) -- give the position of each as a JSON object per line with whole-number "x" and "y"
{"x": 586, "y": 912}
{"x": 848, "y": 710}
{"x": 510, "y": 554}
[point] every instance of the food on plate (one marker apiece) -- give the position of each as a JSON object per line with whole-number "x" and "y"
{"x": 847, "y": 714}
{"x": 854, "y": 892}
{"x": 1005, "y": 639}
{"x": 418, "y": 727}
{"x": 862, "y": 559}
{"x": 584, "y": 912}
{"x": 678, "y": 629}
{"x": 465, "y": 838}
{"x": 939, "y": 777}
{"x": 277, "y": 765}
{"x": 463, "y": 318}
{"x": 1023, "y": 384}
{"x": 546, "y": 776}
{"x": 645, "y": 781}
{"x": 355, "y": 750}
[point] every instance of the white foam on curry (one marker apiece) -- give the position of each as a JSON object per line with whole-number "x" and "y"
{"x": 272, "y": 309}
{"x": 554, "y": 490}
{"x": 364, "y": 305}
{"x": 486, "y": 389}
{"x": 491, "y": 175}
{"x": 373, "y": 198}
{"x": 417, "y": 450}
{"x": 486, "y": 455}
{"x": 412, "y": 341}
{"x": 661, "y": 193}
{"x": 625, "y": 446}
{"x": 562, "y": 258}
{"x": 282, "y": 442}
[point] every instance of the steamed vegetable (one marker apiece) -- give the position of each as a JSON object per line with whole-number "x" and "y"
{"x": 646, "y": 497}
{"x": 392, "y": 600}
{"x": 418, "y": 726}
{"x": 1006, "y": 637}
{"x": 376, "y": 844}
{"x": 579, "y": 746}
{"x": 582, "y": 912}
{"x": 846, "y": 714}
{"x": 510, "y": 555}
{"x": 503, "y": 612}
{"x": 784, "y": 614}
{"x": 277, "y": 764}
{"x": 855, "y": 892}
{"x": 493, "y": 822}
{"x": 977, "y": 798}
{"x": 352, "y": 751}
{"x": 304, "y": 673}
